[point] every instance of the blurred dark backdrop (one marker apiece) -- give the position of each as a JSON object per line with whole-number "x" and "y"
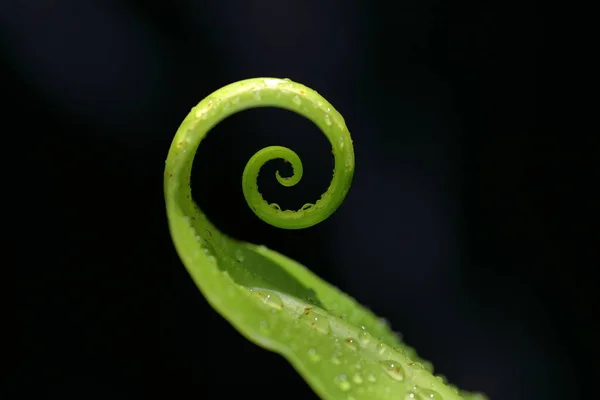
{"x": 454, "y": 229}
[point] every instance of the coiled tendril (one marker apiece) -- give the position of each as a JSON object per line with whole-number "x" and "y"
{"x": 271, "y": 92}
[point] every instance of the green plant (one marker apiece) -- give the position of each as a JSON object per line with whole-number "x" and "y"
{"x": 340, "y": 348}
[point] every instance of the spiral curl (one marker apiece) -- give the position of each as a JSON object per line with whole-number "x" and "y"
{"x": 280, "y": 93}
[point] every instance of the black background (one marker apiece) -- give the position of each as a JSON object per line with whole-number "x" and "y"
{"x": 455, "y": 228}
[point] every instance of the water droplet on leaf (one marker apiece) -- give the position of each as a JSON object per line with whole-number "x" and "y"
{"x": 351, "y": 344}
{"x": 307, "y": 206}
{"x": 315, "y": 320}
{"x": 343, "y": 383}
{"x": 427, "y": 394}
{"x": 313, "y": 355}
{"x": 271, "y": 299}
{"x": 335, "y": 359}
{"x": 356, "y": 378}
{"x": 364, "y": 338}
{"x": 239, "y": 255}
{"x": 427, "y": 366}
{"x": 393, "y": 369}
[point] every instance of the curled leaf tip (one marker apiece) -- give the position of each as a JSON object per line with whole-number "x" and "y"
{"x": 308, "y": 103}
{"x": 289, "y": 95}
{"x": 343, "y": 350}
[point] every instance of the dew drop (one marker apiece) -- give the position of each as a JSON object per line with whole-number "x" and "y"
{"x": 313, "y": 355}
{"x": 356, "y": 378}
{"x": 453, "y": 388}
{"x": 383, "y": 323}
{"x": 315, "y": 320}
{"x": 371, "y": 378}
{"x": 427, "y": 394}
{"x": 474, "y": 396}
{"x": 364, "y": 338}
{"x": 351, "y": 344}
{"x": 275, "y": 206}
{"x": 271, "y": 299}
{"x": 393, "y": 369}
{"x": 307, "y": 206}
{"x": 415, "y": 365}
{"x": 343, "y": 383}
{"x": 409, "y": 352}
{"x": 427, "y": 366}
{"x": 239, "y": 255}
{"x": 380, "y": 349}
{"x": 269, "y": 82}
{"x": 335, "y": 359}
{"x": 327, "y": 120}
{"x": 297, "y": 100}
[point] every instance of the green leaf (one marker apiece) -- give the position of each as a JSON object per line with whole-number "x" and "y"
{"x": 340, "y": 348}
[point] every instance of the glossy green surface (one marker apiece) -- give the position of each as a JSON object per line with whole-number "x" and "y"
{"x": 340, "y": 348}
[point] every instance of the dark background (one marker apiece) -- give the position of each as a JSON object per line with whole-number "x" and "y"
{"x": 454, "y": 230}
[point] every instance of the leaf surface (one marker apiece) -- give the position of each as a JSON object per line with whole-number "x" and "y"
{"x": 341, "y": 349}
